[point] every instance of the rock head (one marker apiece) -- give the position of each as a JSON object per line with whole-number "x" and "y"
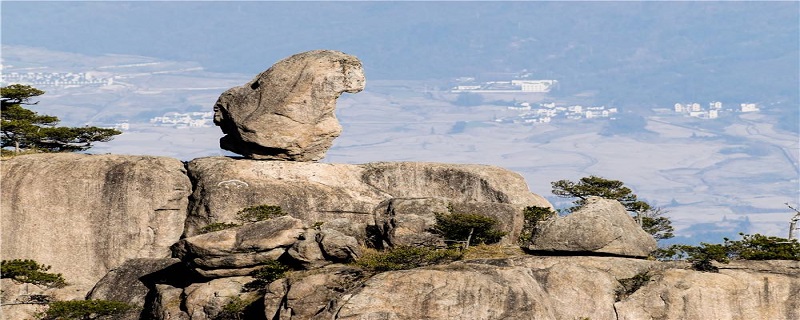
{"x": 287, "y": 112}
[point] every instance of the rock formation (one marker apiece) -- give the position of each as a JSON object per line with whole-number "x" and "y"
{"x": 600, "y": 226}
{"x": 741, "y": 290}
{"x": 540, "y": 287}
{"x": 240, "y": 250}
{"x": 136, "y": 224}
{"x": 287, "y": 112}
{"x": 330, "y": 210}
{"x": 88, "y": 214}
{"x": 321, "y": 192}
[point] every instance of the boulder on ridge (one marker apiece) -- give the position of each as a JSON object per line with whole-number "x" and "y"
{"x": 600, "y": 226}
{"x": 287, "y": 111}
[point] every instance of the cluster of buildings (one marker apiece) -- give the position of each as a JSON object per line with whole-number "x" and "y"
{"x": 56, "y": 79}
{"x": 185, "y": 120}
{"x": 712, "y": 111}
{"x": 546, "y": 112}
{"x": 512, "y": 86}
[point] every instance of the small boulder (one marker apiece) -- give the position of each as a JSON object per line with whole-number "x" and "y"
{"x": 314, "y": 294}
{"x": 306, "y": 252}
{"x": 127, "y": 283}
{"x": 408, "y": 221}
{"x": 206, "y": 301}
{"x": 287, "y": 112}
{"x": 337, "y": 246}
{"x": 239, "y": 248}
{"x": 601, "y": 226}
{"x": 167, "y": 303}
{"x": 348, "y": 227}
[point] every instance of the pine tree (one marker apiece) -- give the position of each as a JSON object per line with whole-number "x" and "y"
{"x": 649, "y": 218}
{"x": 24, "y": 129}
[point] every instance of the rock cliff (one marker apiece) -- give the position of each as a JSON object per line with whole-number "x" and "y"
{"x": 86, "y": 215}
{"x": 117, "y": 217}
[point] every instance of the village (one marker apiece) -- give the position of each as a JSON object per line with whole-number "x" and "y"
{"x": 715, "y": 108}
{"x": 58, "y": 79}
{"x": 546, "y": 112}
{"x": 185, "y": 120}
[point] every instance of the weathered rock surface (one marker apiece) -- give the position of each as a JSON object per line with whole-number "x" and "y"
{"x": 287, "y": 112}
{"x": 205, "y": 301}
{"x": 312, "y": 295}
{"x": 573, "y": 288}
{"x": 130, "y": 283}
{"x": 24, "y": 300}
{"x": 87, "y": 214}
{"x": 239, "y": 249}
{"x": 456, "y": 182}
{"x": 476, "y": 292}
{"x": 601, "y": 226}
{"x": 339, "y": 202}
{"x": 409, "y": 221}
{"x": 167, "y": 303}
{"x": 337, "y": 246}
{"x": 733, "y": 293}
{"x": 307, "y": 252}
{"x": 320, "y": 192}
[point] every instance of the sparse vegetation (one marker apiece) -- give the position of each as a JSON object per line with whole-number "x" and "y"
{"x": 269, "y": 272}
{"x": 217, "y": 226}
{"x": 236, "y": 308}
{"x": 630, "y": 285}
{"x": 29, "y": 271}
{"x": 403, "y": 258}
{"x": 259, "y": 213}
{"x": 751, "y": 247}
{"x": 247, "y": 215}
{"x": 761, "y": 247}
{"x": 532, "y": 217}
{"x": 85, "y": 309}
{"x": 468, "y": 227}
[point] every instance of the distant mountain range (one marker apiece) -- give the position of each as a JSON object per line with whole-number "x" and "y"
{"x": 630, "y": 53}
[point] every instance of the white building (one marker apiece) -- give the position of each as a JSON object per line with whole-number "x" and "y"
{"x": 749, "y": 107}
{"x": 713, "y": 114}
{"x": 534, "y": 85}
{"x": 548, "y": 105}
{"x": 467, "y": 88}
{"x": 716, "y": 105}
{"x": 191, "y": 119}
{"x": 679, "y": 108}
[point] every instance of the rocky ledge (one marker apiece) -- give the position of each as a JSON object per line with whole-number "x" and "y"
{"x": 126, "y": 228}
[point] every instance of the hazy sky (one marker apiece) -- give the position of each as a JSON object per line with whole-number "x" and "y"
{"x": 702, "y": 50}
